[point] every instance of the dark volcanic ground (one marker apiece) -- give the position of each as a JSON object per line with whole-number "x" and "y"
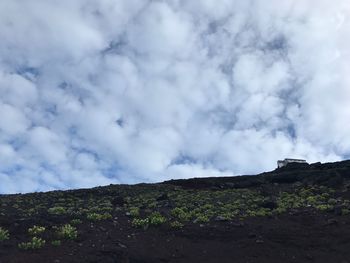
{"x": 300, "y": 213}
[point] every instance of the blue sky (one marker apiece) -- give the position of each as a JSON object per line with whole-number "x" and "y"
{"x": 100, "y": 92}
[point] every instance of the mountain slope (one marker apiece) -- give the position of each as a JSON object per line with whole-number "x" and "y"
{"x": 299, "y": 213}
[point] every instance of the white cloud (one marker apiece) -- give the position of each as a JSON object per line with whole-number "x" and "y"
{"x": 12, "y": 121}
{"x": 99, "y": 92}
{"x": 159, "y": 30}
{"x": 7, "y": 154}
{"x": 17, "y": 90}
{"x": 48, "y": 146}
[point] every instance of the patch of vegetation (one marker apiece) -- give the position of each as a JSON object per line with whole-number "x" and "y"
{"x": 98, "y": 217}
{"x": 181, "y": 214}
{"x": 56, "y": 243}
{"x": 324, "y": 207}
{"x": 4, "y": 234}
{"x": 176, "y": 225}
{"x": 57, "y": 210}
{"x": 149, "y": 206}
{"x": 35, "y": 243}
{"x": 68, "y": 232}
{"x": 320, "y": 198}
{"x": 202, "y": 219}
{"x": 345, "y": 211}
{"x": 134, "y": 211}
{"x": 259, "y": 212}
{"x": 156, "y": 219}
{"x": 36, "y": 230}
{"x": 76, "y": 221}
{"x": 140, "y": 223}
{"x": 152, "y": 204}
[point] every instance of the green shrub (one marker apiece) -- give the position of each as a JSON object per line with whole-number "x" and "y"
{"x": 325, "y": 195}
{"x": 323, "y": 207}
{"x": 36, "y": 230}
{"x": 176, "y": 225}
{"x": 4, "y": 234}
{"x": 202, "y": 219}
{"x": 207, "y": 207}
{"x": 227, "y": 215}
{"x": 345, "y": 211}
{"x": 152, "y": 205}
{"x": 76, "y": 221}
{"x": 68, "y": 232}
{"x": 98, "y": 217}
{"x": 35, "y": 243}
{"x": 180, "y": 214}
{"x": 140, "y": 223}
{"x": 311, "y": 200}
{"x": 263, "y": 212}
{"x": 56, "y": 243}
{"x": 134, "y": 211}
{"x": 156, "y": 219}
{"x": 57, "y": 210}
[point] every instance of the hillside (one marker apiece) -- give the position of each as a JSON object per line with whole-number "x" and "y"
{"x": 299, "y": 213}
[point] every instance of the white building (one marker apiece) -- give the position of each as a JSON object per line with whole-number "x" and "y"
{"x": 281, "y": 163}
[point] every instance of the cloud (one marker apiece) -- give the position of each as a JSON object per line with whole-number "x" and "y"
{"x": 161, "y": 31}
{"x": 99, "y": 92}
{"x": 13, "y": 121}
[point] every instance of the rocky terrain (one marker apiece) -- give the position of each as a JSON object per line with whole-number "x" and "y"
{"x": 298, "y": 213}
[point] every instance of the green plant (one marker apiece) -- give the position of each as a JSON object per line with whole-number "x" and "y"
{"x": 202, "y": 219}
{"x": 180, "y": 214}
{"x": 68, "y": 232}
{"x": 260, "y": 212}
{"x": 280, "y": 210}
{"x": 35, "y": 243}
{"x": 76, "y": 221}
{"x": 140, "y": 223}
{"x": 152, "y": 204}
{"x": 345, "y": 211}
{"x": 57, "y": 210}
{"x": 156, "y": 219}
{"x": 98, "y": 217}
{"x": 176, "y": 225}
{"x": 56, "y": 243}
{"x": 4, "y": 234}
{"x": 36, "y": 230}
{"x": 227, "y": 215}
{"x": 134, "y": 211}
{"x": 311, "y": 200}
{"x": 323, "y": 207}
{"x": 206, "y": 207}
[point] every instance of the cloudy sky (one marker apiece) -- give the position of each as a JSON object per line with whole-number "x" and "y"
{"x": 94, "y": 92}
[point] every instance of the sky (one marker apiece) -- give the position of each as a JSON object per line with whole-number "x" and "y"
{"x": 94, "y": 92}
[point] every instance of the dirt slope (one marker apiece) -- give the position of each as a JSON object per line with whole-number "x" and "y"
{"x": 300, "y": 213}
